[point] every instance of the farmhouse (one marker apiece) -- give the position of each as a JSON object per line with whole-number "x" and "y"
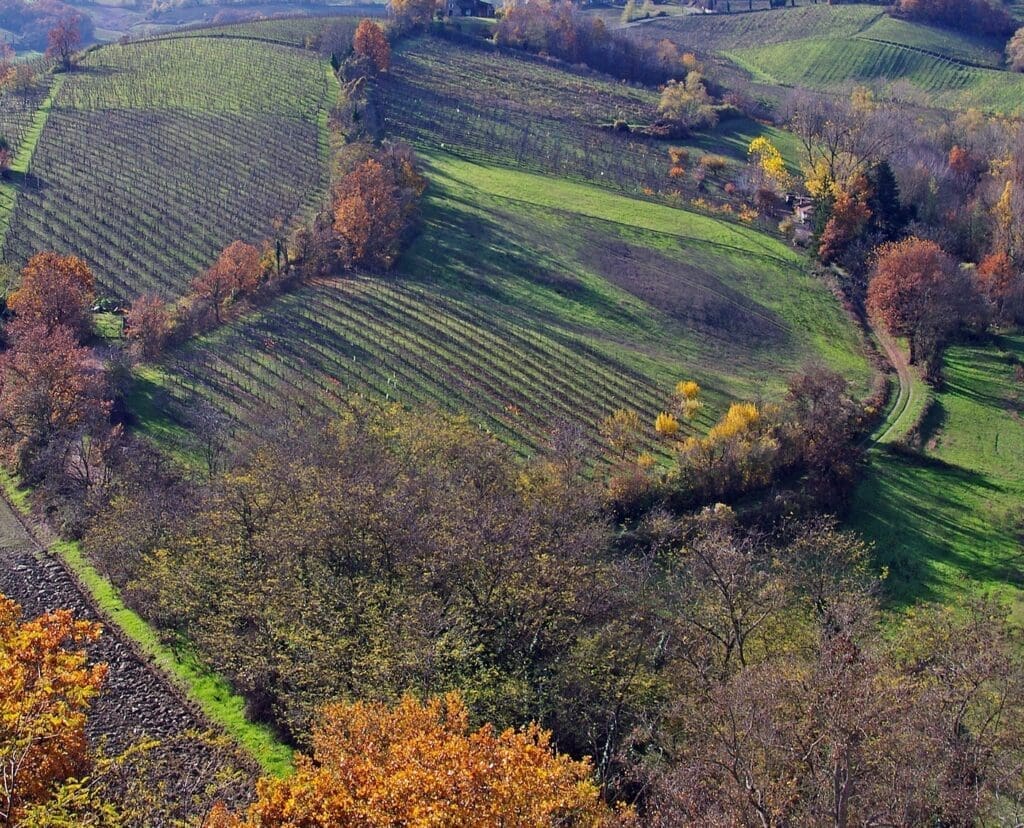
{"x": 469, "y": 8}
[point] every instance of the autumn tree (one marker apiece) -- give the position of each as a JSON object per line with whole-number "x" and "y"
{"x": 920, "y": 292}
{"x": 63, "y": 40}
{"x": 1002, "y": 284}
{"x": 55, "y": 291}
{"x": 367, "y": 215}
{"x": 849, "y": 217}
{"x": 768, "y": 163}
{"x": 414, "y": 12}
{"x": 148, "y": 325}
{"x": 46, "y": 689}
{"x": 688, "y": 104}
{"x": 419, "y": 763}
{"x": 371, "y": 45}
{"x": 1015, "y": 51}
{"x": 50, "y": 392}
{"x": 236, "y": 272}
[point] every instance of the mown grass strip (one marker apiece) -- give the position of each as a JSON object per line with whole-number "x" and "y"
{"x": 23, "y": 158}
{"x": 210, "y": 691}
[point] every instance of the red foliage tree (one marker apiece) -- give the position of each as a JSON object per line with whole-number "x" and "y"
{"x": 55, "y": 291}
{"x": 1002, "y": 283}
{"x": 147, "y": 326}
{"x": 370, "y": 43}
{"x": 919, "y": 291}
{"x": 63, "y": 40}
{"x": 50, "y": 392}
{"x": 368, "y": 215}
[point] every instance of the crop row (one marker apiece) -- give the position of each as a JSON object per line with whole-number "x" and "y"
{"x": 201, "y": 74}
{"x": 324, "y": 344}
{"x": 536, "y": 117}
{"x": 150, "y": 197}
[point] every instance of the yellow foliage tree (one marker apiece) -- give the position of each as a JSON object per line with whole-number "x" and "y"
{"x": 766, "y": 156}
{"x": 688, "y": 395}
{"x": 46, "y": 688}
{"x": 418, "y": 764}
{"x": 666, "y": 424}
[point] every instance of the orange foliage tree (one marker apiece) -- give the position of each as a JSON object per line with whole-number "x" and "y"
{"x": 418, "y": 764}
{"x": 413, "y": 11}
{"x": 1002, "y": 283}
{"x": 236, "y": 272}
{"x": 55, "y": 290}
{"x": 368, "y": 215}
{"x": 370, "y": 43}
{"x": 46, "y": 688}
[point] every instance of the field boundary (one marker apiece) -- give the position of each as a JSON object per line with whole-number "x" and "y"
{"x": 198, "y": 688}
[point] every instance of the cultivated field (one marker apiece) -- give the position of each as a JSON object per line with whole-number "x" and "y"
{"x": 832, "y": 47}
{"x": 533, "y": 115}
{"x": 157, "y": 154}
{"x": 951, "y": 520}
{"x": 528, "y": 301}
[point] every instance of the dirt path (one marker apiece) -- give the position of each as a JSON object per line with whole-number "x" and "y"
{"x": 137, "y": 700}
{"x": 904, "y": 409}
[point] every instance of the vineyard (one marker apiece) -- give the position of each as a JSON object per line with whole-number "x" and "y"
{"x": 521, "y": 112}
{"x": 706, "y": 33}
{"x": 288, "y": 31}
{"x": 526, "y": 302}
{"x": 156, "y": 155}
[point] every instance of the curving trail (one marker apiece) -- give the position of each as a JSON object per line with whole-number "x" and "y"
{"x": 901, "y": 416}
{"x": 137, "y": 701}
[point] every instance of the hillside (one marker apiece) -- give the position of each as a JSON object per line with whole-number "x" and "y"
{"x": 145, "y": 165}
{"x": 948, "y": 523}
{"x": 830, "y": 47}
{"x": 528, "y": 301}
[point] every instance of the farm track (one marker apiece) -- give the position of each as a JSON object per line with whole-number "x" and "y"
{"x": 895, "y": 425}
{"x": 137, "y": 700}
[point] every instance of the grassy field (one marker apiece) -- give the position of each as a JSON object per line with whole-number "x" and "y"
{"x": 949, "y": 523}
{"x": 825, "y": 63}
{"x": 156, "y": 155}
{"x": 527, "y": 301}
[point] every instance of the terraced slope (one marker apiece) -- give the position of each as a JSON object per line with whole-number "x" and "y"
{"x": 527, "y": 301}
{"x": 158, "y": 154}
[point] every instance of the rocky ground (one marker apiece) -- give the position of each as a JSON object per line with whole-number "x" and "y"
{"x": 138, "y": 701}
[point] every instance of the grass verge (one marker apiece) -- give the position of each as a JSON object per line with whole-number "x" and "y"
{"x": 211, "y": 692}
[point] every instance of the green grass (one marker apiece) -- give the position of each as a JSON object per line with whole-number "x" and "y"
{"x": 829, "y": 63}
{"x": 27, "y": 140}
{"x": 706, "y": 33}
{"x": 983, "y": 51}
{"x": 528, "y": 300}
{"x": 211, "y": 692}
{"x": 948, "y": 523}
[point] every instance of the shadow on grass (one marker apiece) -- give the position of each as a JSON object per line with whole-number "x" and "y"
{"x": 922, "y": 515}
